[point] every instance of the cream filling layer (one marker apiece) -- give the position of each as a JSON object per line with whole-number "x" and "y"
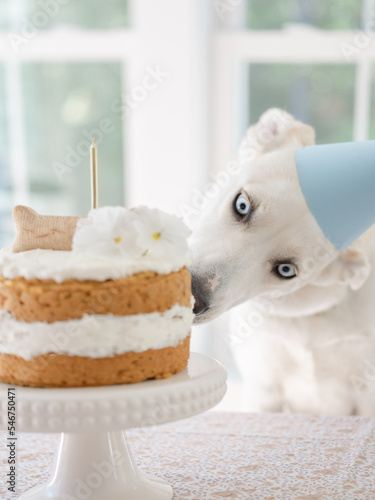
{"x": 61, "y": 265}
{"x": 95, "y": 336}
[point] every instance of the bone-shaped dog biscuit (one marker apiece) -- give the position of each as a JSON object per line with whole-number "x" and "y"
{"x": 42, "y": 231}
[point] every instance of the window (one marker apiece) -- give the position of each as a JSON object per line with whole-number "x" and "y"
{"x": 333, "y": 15}
{"x": 65, "y": 70}
{"x": 63, "y": 14}
{"x": 277, "y": 46}
{"x": 320, "y": 94}
{"x": 52, "y": 106}
{"x": 70, "y": 104}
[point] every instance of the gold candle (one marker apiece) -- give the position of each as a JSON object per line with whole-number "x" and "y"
{"x": 94, "y": 174}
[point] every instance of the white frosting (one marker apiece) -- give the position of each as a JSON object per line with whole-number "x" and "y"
{"x": 95, "y": 336}
{"x": 62, "y": 265}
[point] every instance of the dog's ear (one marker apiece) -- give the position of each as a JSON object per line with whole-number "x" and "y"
{"x": 351, "y": 267}
{"x": 277, "y": 129}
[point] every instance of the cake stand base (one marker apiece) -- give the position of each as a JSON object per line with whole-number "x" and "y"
{"x": 98, "y": 466}
{"x": 94, "y": 461}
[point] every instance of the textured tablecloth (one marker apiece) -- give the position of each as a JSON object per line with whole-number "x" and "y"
{"x": 231, "y": 455}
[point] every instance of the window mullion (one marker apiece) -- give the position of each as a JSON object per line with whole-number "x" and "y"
{"x": 362, "y": 100}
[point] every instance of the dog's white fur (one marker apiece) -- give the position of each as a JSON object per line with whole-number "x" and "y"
{"x": 307, "y": 344}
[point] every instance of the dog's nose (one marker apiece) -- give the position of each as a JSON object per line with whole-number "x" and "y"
{"x": 200, "y": 305}
{"x": 201, "y": 301}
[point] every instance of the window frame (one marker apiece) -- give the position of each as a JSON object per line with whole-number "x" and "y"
{"x": 234, "y": 50}
{"x": 135, "y": 48}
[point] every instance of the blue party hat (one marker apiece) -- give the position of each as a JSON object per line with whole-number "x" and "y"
{"x": 338, "y": 182}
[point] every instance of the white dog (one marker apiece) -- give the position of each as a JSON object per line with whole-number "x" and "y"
{"x": 307, "y": 343}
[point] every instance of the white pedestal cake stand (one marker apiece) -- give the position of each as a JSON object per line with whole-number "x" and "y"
{"x": 93, "y": 460}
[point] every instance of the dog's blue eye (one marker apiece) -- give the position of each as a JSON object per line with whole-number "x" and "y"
{"x": 286, "y": 271}
{"x": 243, "y": 206}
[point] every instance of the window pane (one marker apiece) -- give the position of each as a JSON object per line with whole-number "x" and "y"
{"x": 49, "y": 14}
{"x": 275, "y": 14}
{"x": 64, "y": 103}
{"x": 319, "y": 94}
{"x": 4, "y": 13}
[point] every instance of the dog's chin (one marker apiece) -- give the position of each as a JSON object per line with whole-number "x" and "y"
{"x": 200, "y": 319}
{"x": 206, "y": 316}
